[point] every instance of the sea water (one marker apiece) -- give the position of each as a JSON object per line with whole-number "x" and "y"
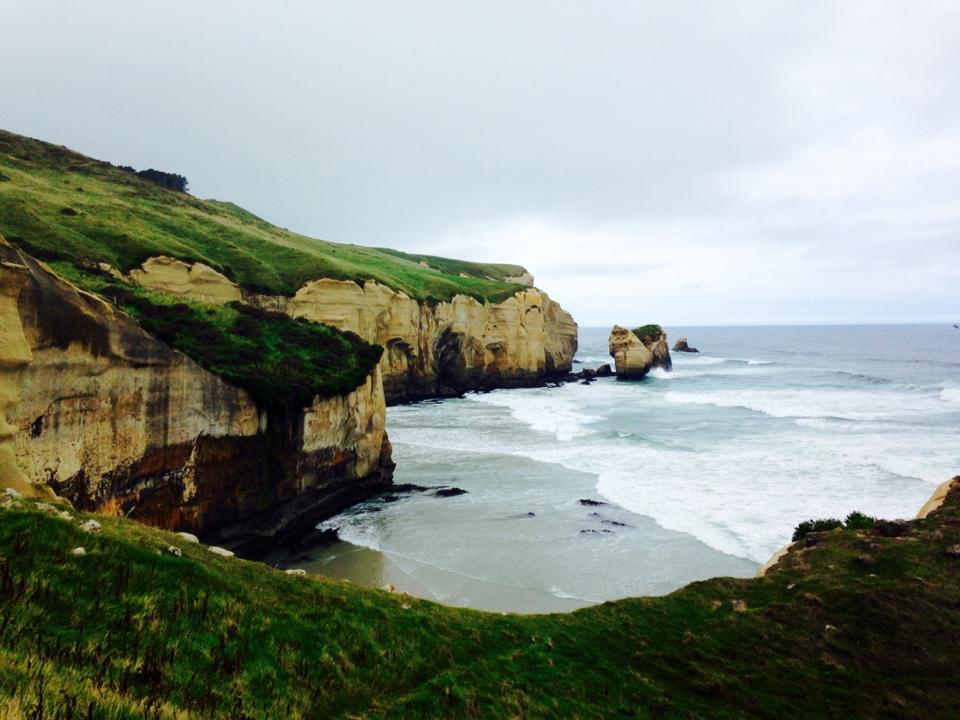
{"x": 704, "y": 470}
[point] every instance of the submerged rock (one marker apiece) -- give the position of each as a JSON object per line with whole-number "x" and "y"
{"x": 636, "y": 352}
{"x": 449, "y": 492}
{"x": 591, "y": 503}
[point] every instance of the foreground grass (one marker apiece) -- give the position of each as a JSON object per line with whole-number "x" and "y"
{"x": 857, "y": 625}
{"x": 60, "y": 205}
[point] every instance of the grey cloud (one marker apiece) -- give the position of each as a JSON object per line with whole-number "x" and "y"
{"x": 664, "y": 144}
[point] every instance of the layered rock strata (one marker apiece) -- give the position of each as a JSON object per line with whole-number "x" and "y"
{"x": 116, "y": 421}
{"x": 431, "y": 348}
{"x": 634, "y": 356}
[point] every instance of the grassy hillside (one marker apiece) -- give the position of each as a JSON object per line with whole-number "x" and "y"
{"x": 60, "y": 205}
{"x": 852, "y": 623}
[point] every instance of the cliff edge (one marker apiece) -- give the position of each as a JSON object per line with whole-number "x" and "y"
{"x": 116, "y": 421}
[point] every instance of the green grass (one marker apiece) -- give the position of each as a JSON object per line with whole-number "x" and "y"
{"x": 858, "y": 625}
{"x": 60, "y": 205}
{"x": 647, "y": 333}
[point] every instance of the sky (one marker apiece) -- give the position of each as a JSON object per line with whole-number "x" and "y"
{"x": 687, "y": 163}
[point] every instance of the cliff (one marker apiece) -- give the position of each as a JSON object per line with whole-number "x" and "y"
{"x": 636, "y": 352}
{"x": 447, "y": 325}
{"x": 432, "y": 349}
{"x": 116, "y": 421}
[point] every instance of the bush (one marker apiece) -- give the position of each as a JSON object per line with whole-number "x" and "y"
{"x": 821, "y": 525}
{"x": 855, "y": 521}
{"x": 858, "y": 521}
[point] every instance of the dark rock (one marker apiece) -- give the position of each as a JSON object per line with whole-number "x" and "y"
{"x": 588, "y": 374}
{"x": 891, "y": 528}
{"x": 449, "y": 492}
{"x": 389, "y": 498}
{"x": 410, "y": 487}
{"x": 813, "y": 539}
{"x": 589, "y": 502}
{"x": 595, "y": 532}
{"x": 604, "y": 371}
{"x": 681, "y": 346}
{"x": 616, "y": 523}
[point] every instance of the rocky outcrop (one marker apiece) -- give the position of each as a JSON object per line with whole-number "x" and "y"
{"x": 116, "y": 421}
{"x": 430, "y": 348}
{"x": 681, "y": 346}
{"x": 635, "y": 354}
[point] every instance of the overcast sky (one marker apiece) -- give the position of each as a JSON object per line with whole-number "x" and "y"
{"x": 675, "y": 162}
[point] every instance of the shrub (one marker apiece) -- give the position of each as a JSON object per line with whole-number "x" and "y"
{"x": 855, "y": 521}
{"x": 858, "y": 521}
{"x": 821, "y": 525}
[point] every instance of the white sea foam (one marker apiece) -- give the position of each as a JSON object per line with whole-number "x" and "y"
{"x": 759, "y": 362}
{"x": 543, "y": 410}
{"x": 950, "y": 394}
{"x": 698, "y": 360}
{"x": 810, "y": 403}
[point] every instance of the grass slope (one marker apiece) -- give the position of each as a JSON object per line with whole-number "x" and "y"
{"x": 60, "y": 205}
{"x": 850, "y": 624}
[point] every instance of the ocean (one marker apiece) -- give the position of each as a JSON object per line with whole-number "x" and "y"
{"x": 703, "y": 471}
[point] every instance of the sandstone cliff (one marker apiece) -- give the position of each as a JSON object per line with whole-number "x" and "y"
{"x": 636, "y": 352}
{"x": 431, "y": 348}
{"x": 114, "y": 420}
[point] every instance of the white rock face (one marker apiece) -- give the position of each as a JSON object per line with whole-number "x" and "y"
{"x": 197, "y": 281}
{"x": 105, "y": 414}
{"x": 462, "y": 343}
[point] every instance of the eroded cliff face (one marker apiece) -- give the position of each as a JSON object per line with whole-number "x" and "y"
{"x": 430, "y": 349}
{"x": 116, "y": 421}
{"x": 634, "y": 356}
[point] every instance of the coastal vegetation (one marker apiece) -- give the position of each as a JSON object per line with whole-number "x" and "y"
{"x": 147, "y": 624}
{"x": 60, "y": 205}
{"x": 283, "y": 362}
{"x": 855, "y": 521}
{"x": 648, "y": 333}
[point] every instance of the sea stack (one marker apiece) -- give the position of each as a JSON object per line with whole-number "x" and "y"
{"x": 635, "y": 352}
{"x": 681, "y": 346}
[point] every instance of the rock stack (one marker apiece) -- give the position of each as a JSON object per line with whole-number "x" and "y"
{"x": 635, "y": 352}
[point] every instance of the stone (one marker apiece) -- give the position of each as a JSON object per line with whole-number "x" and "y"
{"x": 222, "y": 552}
{"x": 78, "y": 551}
{"x": 891, "y": 528}
{"x": 681, "y": 346}
{"x": 738, "y": 605}
{"x": 953, "y": 551}
{"x": 91, "y": 526}
{"x": 13, "y": 493}
{"x": 450, "y": 492}
{"x": 174, "y": 550}
{"x": 604, "y": 370}
{"x": 189, "y": 537}
{"x": 45, "y": 507}
{"x": 295, "y": 571}
{"x": 634, "y": 356}
{"x": 64, "y": 515}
